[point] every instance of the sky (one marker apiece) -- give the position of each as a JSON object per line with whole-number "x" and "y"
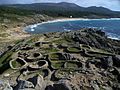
{"x": 111, "y": 4}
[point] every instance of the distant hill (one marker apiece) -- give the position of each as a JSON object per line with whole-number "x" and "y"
{"x": 65, "y": 9}
{"x": 18, "y": 11}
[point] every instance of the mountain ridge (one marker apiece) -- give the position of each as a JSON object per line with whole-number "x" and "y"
{"x": 67, "y": 9}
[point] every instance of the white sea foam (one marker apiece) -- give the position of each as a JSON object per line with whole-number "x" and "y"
{"x": 67, "y": 30}
{"x": 33, "y": 26}
{"x": 68, "y": 19}
{"x": 32, "y": 30}
{"x": 113, "y": 36}
{"x": 110, "y": 35}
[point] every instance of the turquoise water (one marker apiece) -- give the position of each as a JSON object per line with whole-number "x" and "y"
{"x": 110, "y": 26}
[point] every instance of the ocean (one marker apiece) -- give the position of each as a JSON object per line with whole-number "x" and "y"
{"x": 110, "y": 26}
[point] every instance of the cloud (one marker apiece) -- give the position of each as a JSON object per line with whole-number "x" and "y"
{"x": 112, "y": 4}
{"x": 16, "y": 1}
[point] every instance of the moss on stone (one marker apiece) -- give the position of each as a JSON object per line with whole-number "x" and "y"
{"x": 16, "y": 64}
{"x": 73, "y": 50}
{"x": 57, "y": 64}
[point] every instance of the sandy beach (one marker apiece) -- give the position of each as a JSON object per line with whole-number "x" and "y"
{"x": 63, "y": 20}
{"x": 17, "y": 33}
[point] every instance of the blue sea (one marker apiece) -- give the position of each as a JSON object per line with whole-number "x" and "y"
{"x": 110, "y": 26}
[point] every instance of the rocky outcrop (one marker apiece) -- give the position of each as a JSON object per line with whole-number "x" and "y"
{"x": 77, "y": 60}
{"x": 24, "y": 85}
{"x": 5, "y": 85}
{"x": 116, "y": 60}
{"x": 63, "y": 85}
{"x": 38, "y": 82}
{"x": 34, "y": 83}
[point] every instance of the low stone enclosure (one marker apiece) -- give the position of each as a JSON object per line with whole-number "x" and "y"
{"x": 38, "y": 44}
{"x": 33, "y": 56}
{"x": 63, "y": 60}
{"x": 72, "y": 56}
{"x": 33, "y": 60}
{"x": 73, "y": 50}
{"x": 38, "y": 65}
{"x": 17, "y": 63}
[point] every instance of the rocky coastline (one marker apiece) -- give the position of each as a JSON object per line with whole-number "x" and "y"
{"x": 77, "y": 60}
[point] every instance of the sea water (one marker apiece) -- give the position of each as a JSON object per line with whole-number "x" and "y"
{"x": 110, "y": 26}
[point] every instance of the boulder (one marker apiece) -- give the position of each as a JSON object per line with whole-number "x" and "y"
{"x": 116, "y": 86}
{"x": 50, "y": 87}
{"x": 38, "y": 82}
{"x": 116, "y": 60}
{"x": 62, "y": 85}
{"x": 107, "y": 62}
{"x": 100, "y": 32}
{"x": 94, "y": 85}
{"x": 4, "y": 85}
{"x": 22, "y": 85}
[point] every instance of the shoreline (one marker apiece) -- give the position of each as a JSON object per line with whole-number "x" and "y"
{"x": 67, "y": 19}
{"x": 63, "y": 20}
{"x": 19, "y": 32}
{"x": 70, "y": 19}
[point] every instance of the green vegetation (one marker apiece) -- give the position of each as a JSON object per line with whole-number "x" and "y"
{"x": 18, "y": 41}
{"x": 16, "y": 64}
{"x": 9, "y": 14}
{"x": 50, "y": 50}
{"x": 4, "y": 67}
{"x": 5, "y": 57}
{"x": 14, "y": 11}
{"x": 71, "y": 65}
{"x": 57, "y": 64}
{"x": 101, "y": 51}
{"x": 85, "y": 46}
{"x": 32, "y": 39}
{"x": 59, "y": 41}
{"x": 68, "y": 9}
{"x": 4, "y": 61}
{"x": 73, "y": 50}
{"x": 68, "y": 13}
{"x": 54, "y": 56}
